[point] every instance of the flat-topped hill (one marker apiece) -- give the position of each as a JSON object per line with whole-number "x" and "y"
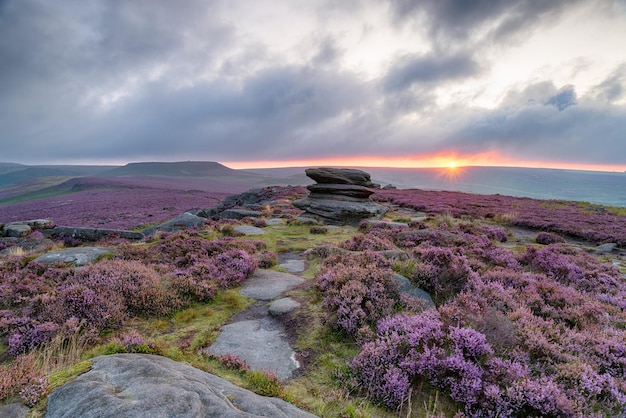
{"x": 178, "y": 169}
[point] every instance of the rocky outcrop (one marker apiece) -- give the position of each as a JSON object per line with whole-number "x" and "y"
{"x": 14, "y": 410}
{"x": 186, "y": 220}
{"x": 91, "y": 234}
{"x": 24, "y": 228}
{"x": 141, "y": 385}
{"x": 78, "y": 256}
{"x": 341, "y": 196}
{"x": 405, "y": 286}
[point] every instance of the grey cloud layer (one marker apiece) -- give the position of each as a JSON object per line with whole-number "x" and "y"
{"x": 192, "y": 86}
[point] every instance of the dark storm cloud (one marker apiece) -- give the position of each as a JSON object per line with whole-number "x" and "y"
{"x": 460, "y": 19}
{"x": 278, "y": 112}
{"x": 428, "y": 69}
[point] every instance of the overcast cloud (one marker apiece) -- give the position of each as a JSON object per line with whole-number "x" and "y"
{"x": 113, "y": 81}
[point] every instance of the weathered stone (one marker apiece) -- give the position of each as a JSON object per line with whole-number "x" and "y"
{"x": 283, "y": 306}
{"x": 405, "y": 286}
{"x": 248, "y": 230}
{"x": 340, "y": 176}
{"x": 14, "y": 410}
{"x": 269, "y": 284}
{"x": 348, "y": 190}
{"x": 261, "y": 343}
{"x": 342, "y": 212}
{"x": 293, "y": 266}
{"x": 606, "y": 248}
{"x": 184, "y": 221}
{"x": 78, "y": 256}
{"x": 307, "y": 220}
{"x": 275, "y": 221}
{"x": 146, "y": 386}
{"x": 91, "y": 234}
{"x": 16, "y": 229}
{"x": 341, "y": 196}
{"x": 238, "y": 214}
{"x": 250, "y": 197}
{"x": 40, "y": 223}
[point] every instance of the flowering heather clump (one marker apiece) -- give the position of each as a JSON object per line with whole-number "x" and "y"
{"x": 441, "y": 271}
{"x": 232, "y": 267}
{"x": 495, "y": 233}
{"x": 568, "y": 218}
{"x": 34, "y": 392}
{"x": 191, "y": 288}
{"x": 132, "y": 342}
{"x": 359, "y": 290}
{"x": 30, "y": 336}
{"x": 99, "y": 308}
{"x": 139, "y": 285}
{"x": 487, "y": 252}
{"x": 122, "y": 202}
{"x": 267, "y": 259}
{"x": 233, "y": 362}
{"x": 14, "y": 376}
{"x": 360, "y": 242}
{"x": 410, "y": 348}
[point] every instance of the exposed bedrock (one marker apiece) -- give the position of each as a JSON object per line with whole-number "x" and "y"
{"x": 341, "y": 196}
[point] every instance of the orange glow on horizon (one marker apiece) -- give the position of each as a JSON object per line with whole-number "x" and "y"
{"x": 450, "y": 161}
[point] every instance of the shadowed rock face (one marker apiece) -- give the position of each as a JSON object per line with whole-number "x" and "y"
{"x": 341, "y": 176}
{"x": 341, "y": 196}
{"x": 140, "y": 385}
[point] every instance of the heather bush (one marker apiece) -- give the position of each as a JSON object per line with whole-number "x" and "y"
{"x": 360, "y": 242}
{"x": 232, "y": 267}
{"x": 33, "y": 392}
{"x": 231, "y": 361}
{"x": 358, "y": 291}
{"x": 98, "y": 308}
{"x": 30, "y": 336}
{"x": 568, "y": 218}
{"x": 22, "y": 371}
{"x": 410, "y": 349}
{"x": 139, "y": 285}
{"x": 192, "y": 289}
{"x": 267, "y": 259}
{"x": 131, "y": 342}
{"x": 441, "y": 271}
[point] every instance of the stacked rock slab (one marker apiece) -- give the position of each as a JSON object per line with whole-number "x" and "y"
{"x": 341, "y": 196}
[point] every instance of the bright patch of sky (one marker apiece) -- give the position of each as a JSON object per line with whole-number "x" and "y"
{"x": 406, "y": 81}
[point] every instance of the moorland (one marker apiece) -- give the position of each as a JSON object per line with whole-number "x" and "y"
{"x": 530, "y": 296}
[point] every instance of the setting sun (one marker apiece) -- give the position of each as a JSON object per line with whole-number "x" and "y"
{"x": 452, "y": 164}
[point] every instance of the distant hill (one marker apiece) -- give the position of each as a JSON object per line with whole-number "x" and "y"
{"x": 16, "y": 173}
{"x": 175, "y": 169}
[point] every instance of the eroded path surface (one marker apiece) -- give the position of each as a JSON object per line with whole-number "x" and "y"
{"x": 255, "y": 335}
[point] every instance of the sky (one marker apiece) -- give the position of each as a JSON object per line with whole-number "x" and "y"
{"x": 404, "y": 83}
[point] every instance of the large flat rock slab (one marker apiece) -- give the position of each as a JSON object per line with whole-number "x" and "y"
{"x": 78, "y": 256}
{"x": 268, "y": 284}
{"x": 249, "y": 230}
{"x": 293, "y": 266}
{"x": 146, "y": 386}
{"x": 261, "y": 343}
